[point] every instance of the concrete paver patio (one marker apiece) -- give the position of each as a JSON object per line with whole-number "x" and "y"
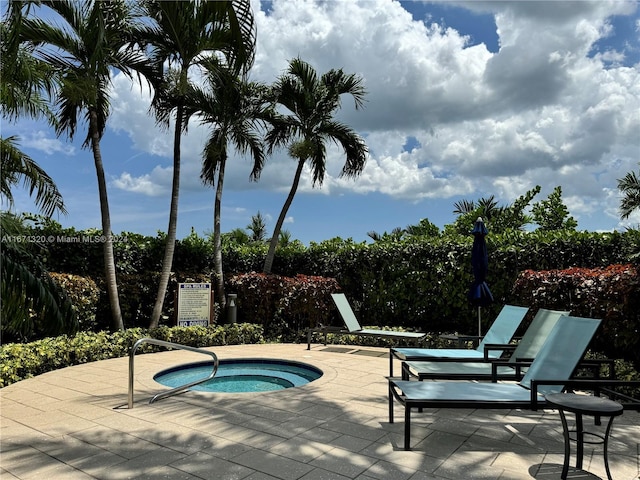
{"x": 74, "y": 424}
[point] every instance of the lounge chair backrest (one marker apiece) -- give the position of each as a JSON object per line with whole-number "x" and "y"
{"x": 504, "y": 326}
{"x": 537, "y": 333}
{"x": 346, "y": 312}
{"x": 560, "y": 354}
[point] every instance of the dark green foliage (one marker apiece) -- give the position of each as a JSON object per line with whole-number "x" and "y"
{"x": 419, "y": 283}
{"x": 551, "y": 214}
{"x": 83, "y": 293}
{"x": 285, "y": 306}
{"x": 611, "y": 294}
{"x": 629, "y": 186}
{"x": 20, "y": 361}
{"x": 32, "y": 304}
{"x": 499, "y": 219}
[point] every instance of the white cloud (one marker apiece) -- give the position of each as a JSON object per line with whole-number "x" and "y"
{"x": 539, "y": 111}
{"x": 148, "y": 184}
{"x": 40, "y": 140}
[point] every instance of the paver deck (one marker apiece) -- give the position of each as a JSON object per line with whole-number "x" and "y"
{"x": 74, "y": 424}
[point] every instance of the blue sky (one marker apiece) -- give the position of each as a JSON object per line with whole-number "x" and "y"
{"x": 466, "y": 100}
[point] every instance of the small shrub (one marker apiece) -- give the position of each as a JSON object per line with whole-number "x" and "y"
{"x": 611, "y": 293}
{"x": 283, "y": 305}
{"x": 84, "y": 295}
{"x": 25, "y": 360}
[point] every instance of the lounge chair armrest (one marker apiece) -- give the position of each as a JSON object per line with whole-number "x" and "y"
{"x": 596, "y": 364}
{"x": 596, "y": 386}
{"x": 497, "y": 346}
{"x": 323, "y": 329}
{"x": 535, "y": 387}
{"x": 606, "y": 386}
{"x": 517, "y": 366}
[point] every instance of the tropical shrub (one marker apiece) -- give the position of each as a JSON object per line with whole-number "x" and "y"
{"x": 25, "y": 360}
{"x": 611, "y": 293}
{"x": 419, "y": 282}
{"x": 83, "y": 294}
{"x": 283, "y": 305}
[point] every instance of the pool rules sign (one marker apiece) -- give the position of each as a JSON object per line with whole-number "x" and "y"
{"x": 194, "y": 304}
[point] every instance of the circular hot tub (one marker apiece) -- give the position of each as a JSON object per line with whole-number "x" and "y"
{"x": 241, "y": 375}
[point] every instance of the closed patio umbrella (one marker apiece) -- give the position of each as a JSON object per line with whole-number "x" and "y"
{"x": 479, "y": 293}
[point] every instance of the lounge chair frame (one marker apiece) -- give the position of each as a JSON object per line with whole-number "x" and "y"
{"x": 527, "y": 394}
{"x": 522, "y": 355}
{"x": 354, "y": 328}
{"x": 494, "y": 344}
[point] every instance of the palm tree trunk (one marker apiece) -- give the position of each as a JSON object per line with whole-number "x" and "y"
{"x": 268, "y": 262}
{"x": 217, "y": 242}
{"x": 109, "y": 259}
{"x": 170, "y": 246}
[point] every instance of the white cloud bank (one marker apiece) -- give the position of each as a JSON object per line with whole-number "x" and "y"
{"x": 538, "y": 111}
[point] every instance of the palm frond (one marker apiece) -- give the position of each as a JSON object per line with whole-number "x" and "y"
{"x": 16, "y": 166}
{"x": 629, "y": 185}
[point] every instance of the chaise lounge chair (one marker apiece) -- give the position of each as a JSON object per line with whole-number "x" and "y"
{"x": 551, "y": 369}
{"x": 500, "y": 333}
{"x": 354, "y": 328}
{"x": 508, "y": 369}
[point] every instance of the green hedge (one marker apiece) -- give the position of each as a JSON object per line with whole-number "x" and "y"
{"x": 611, "y": 294}
{"x": 25, "y": 360}
{"x": 419, "y": 283}
{"x": 84, "y": 294}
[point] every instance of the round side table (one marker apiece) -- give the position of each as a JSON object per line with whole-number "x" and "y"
{"x": 583, "y": 405}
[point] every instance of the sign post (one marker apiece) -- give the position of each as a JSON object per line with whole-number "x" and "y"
{"x": 194, "y": 304}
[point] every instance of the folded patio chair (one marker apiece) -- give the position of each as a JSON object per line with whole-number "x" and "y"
{"x": 500, "y": 333}
{"x": 354, "y": 328}
{"x": 551, "y": 369}
{"x": 525, "y": 350}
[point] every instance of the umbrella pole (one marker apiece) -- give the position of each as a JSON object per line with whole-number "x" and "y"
{"x": 479, "y": 325}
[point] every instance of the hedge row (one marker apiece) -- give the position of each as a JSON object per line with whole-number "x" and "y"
{"x": 611, "y": 294}
{"x": 25, "y": 360}
{"x": 419, "y": 283}
{"x": 282, "y": 305}
{"x": 285, "y": 306}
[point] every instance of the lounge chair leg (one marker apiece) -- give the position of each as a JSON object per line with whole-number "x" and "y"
{"x": 407, "y": 427}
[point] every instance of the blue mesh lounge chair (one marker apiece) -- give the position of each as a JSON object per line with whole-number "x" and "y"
{"x": 500, "y": 333}
{"x": 354, "y": 328}
{"x": 555, "y": 363}
{"x": 511, "y": 369}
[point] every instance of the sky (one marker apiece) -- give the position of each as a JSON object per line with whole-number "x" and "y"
{"x": 464, "y": 100}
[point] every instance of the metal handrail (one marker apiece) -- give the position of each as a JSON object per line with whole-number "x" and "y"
{"x": 176, "y": 390}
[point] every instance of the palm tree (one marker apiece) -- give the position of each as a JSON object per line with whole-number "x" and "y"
{"x": 32, "y": 303}
{"x": 16, "y": 166}
{"x": 25, "y": 287}
{"x": 312, "y": 102}
{"x": 258, "y": 228}
{"x": 237, "y": 236}
{"x": 26, "y": 85}
{"x": 236, "y": 110}
{"x": 93, "y": 39}
{"x": 183, "y": 36}
{"x": 629, "y": 185}
{"x": 488, "y": 207}
{"x": 395, "y": 236}
{"x": 27, "y": 82}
